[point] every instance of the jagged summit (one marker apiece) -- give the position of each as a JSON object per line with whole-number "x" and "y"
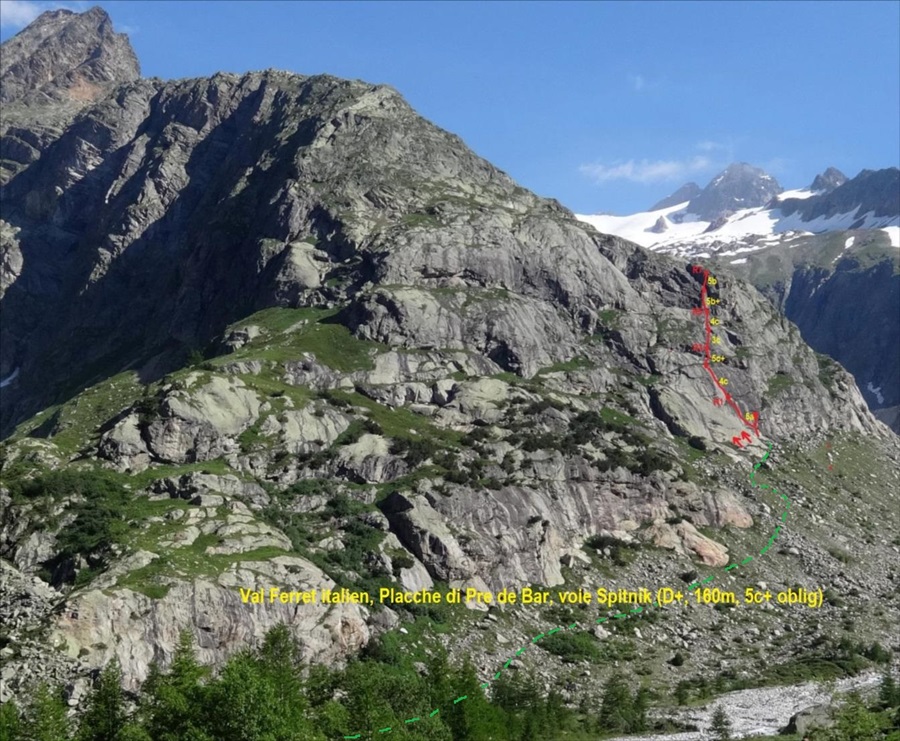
{"x": 63, "y": 54}
{"x": 829, "y": 180}
{"x": 685, "y": 193}
{"x": 738, "y": 186}
{"x": 50, "y": 71}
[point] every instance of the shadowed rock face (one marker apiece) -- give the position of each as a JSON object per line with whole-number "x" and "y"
{"x": 828, "y": 180}
{"x": 848, "y": 314}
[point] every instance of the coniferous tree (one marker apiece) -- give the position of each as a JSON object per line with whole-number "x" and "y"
{"x": 854, "y": 722}
{"x": 10, "y": 725}
{"x": 556, "y": 710}
{"x": 639, "y": 708}
{"x": 246, "y": 702}
{"x": 279, "y": 659}
{"x": 682, "y": 692}
{"x": 888, "y": 691}
{"x": 616, "y": 707}
{"x": 105, "y": 715}
{"x": 242, "y": 703}
{"x": 45, "y": 717}
{"x": 136, "y": 732}
{"x": 329, "y": 716}
{"x": 476, "y": 717}
{"x": 173, "y": 705}
{"x": 720, "y": 725}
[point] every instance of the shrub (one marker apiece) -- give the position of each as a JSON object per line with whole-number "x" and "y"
{"x": 698, "y": 443}
{"x": 572, "y": 647}
{"x": 650, "y": 460}
{"x": 415, "y": 451}
{"x": 621, "y": 553}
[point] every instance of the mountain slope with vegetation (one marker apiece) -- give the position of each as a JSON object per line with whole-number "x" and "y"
{"x": 269, "y": 330}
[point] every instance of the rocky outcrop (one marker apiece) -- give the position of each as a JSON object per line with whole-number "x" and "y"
{"x": 69, "y": 53}
{"x": 192, "y": 425}
{"x": 661, "y": 225}
{"x": 137, "y": 629}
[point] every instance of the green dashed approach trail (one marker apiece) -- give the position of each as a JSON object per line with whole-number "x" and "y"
{"x": 637, "y": 610}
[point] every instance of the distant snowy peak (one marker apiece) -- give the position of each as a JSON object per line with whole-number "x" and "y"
{"x": 872, "y": 191}
{"x": 871, "y": 200}
{"x": 829, "y": 180}
{"x": 682, "y": 195}
{"x": 738, "y": 187}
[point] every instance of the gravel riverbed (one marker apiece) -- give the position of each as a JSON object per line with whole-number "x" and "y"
{"x": 758, "y": 712}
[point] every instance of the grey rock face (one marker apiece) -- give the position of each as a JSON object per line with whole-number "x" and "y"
{"x": 138, "y": 630}
{"x": 193, "y": 425}
{"x": 661, "y": 226}
{"x": 738, "y": 186}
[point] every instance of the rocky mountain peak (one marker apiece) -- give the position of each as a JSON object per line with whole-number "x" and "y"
{"x": 829, "y": 180}
{"x": 738, "y": 186}
{"x": 685, "y": 193}
{"x": 66, "y": 56}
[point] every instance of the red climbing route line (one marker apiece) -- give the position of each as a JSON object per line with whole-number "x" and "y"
{"x": 703, "y": 310}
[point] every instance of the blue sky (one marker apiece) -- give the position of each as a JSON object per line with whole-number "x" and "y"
{"x": 604, "y": 106}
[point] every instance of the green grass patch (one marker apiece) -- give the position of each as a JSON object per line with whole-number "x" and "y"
{"x": 189, "y": 563}
{"x": 321, "y": 335}
{"x": 422, "y": 219}
{"x": 566, "y": 365}
{"x": 778, "y": 383}
{"x": 828, "y": 370}
{"x": 73, "y": 425}
{"x": 216, "y": 467}
{"x": 397, "y": 422}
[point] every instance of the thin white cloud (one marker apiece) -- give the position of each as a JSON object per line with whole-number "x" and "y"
{"x": 776, "y": 165}
{"x": 647, "y": 171}
{"x": 18, "y": 13}
{"x": 637, "y": 82}
{"x": 711, "y": 146}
